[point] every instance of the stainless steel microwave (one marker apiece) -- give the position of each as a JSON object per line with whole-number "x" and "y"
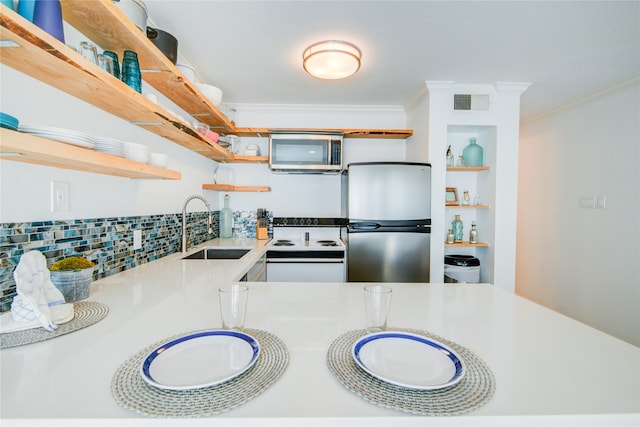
{"x": 305, "y": 152}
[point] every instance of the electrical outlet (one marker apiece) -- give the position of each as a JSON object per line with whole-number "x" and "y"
{"x": 59, "y": 196}
{"x": 601, "y": 201}
{"x": 137, "y": 239}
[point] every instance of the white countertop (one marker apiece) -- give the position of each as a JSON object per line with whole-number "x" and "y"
{"x": 549, "y": 369}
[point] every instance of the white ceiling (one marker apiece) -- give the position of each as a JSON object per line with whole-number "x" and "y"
{"x": 252, "y": 50}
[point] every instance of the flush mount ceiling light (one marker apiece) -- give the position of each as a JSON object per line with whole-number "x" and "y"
{"x": 331, "y": 59}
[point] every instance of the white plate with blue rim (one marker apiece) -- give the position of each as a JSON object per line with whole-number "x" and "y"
{"x": 408, "y": 360}
{"x": 200, "y": 359}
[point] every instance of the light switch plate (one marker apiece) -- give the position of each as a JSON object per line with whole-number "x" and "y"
{"x": 59, "y": 196}
{"x": 586, "y": 202}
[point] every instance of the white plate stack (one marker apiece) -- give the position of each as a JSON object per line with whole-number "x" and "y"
{"x": 110, "y": 146}
{"x": 61, "y": 135}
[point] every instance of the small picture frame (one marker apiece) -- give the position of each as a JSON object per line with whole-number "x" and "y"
{"x": 451, "y": 196}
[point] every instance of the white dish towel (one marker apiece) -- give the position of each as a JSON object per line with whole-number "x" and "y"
{"x": 36, "y": 294}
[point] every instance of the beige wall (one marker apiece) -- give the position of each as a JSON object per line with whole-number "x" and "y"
{"x": 584, "y": 263}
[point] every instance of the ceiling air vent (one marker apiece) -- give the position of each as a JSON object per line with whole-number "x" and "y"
{"x": 471, "y": 102}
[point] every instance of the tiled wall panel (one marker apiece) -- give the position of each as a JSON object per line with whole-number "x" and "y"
{"x": 107, "y": 242}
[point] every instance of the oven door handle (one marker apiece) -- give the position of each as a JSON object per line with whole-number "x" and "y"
{"x": 306, "y": 261}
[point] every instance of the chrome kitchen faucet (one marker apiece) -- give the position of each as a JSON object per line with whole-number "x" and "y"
{"x": 184, "y": 219}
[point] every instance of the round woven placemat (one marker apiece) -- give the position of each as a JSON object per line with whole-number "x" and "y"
{"x": 473, "y": 391}
{"x": 132, "y": 392}
{"x": 86, "y": 313}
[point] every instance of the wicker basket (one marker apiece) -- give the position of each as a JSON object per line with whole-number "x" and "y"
{"x": 74, "y": 284}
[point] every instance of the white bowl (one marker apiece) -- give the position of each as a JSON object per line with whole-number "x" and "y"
{"x": 136, "y": 152}
{"x": 158, "y": 159}
{"x": 252, "y": 150}
{"x": 212, "y": 93}
{"x": 187, "y": 71}
{"x": 136, "y": 11}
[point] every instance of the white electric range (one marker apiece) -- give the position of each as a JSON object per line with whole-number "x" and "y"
{"x": 306, "y": 250}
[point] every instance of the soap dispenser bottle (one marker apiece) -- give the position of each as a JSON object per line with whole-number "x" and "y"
{"x": 226, "y": 220}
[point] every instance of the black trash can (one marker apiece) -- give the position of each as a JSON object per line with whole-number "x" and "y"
{"x": 461, "y": 269}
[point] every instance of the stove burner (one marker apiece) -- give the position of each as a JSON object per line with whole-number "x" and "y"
{"x": 327, "y": 242}
{"x": 283, "y": 243}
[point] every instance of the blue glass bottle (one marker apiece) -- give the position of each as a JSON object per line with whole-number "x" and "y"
{"x": 473, "y": 153}
{"x": 456, "y": 226}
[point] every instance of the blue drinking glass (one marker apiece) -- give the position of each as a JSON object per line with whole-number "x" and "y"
{"x": 130, "y": 71}
{"x": 25, "y": 9}
{"x": 47, "y": 14}
{"x": 8, "y": 3}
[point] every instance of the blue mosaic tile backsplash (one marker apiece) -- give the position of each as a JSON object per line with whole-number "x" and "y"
{"x": 107, "y": 242}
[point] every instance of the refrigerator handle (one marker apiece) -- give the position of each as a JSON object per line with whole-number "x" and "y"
{"x": 363, "y": 226}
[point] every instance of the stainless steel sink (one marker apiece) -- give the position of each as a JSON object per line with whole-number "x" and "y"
{"x": 218, "y": 253}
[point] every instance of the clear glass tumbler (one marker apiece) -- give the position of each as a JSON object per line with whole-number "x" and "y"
{"x": 114, "y": 61}
{"x": 106, "y": 63}
{"x": 377, "y": 300}
{"x": 88, "y": 51}
{"x": 233, "y": 305}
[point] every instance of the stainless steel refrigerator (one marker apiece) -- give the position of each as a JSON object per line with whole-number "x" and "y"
{"x": 388, "y": 206}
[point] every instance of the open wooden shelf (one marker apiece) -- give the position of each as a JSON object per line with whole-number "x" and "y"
{"x": 467, "y": 207}
{"x": 227, "y": 187}
{"x": 247, "y": 159}
{"x": 22, "y": 147}
{"x": 45, "y": 58}
{"x": 348, "y": 133}
{"x": 466, "y": 244}
{"x": 111, "y": 29}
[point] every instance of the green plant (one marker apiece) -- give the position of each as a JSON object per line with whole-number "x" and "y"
{"x": 71, "y": 263}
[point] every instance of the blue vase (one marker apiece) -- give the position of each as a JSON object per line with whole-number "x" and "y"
{"x": 47, "y": 14}
{"x": 25, "y": 9}
{"x": 456, "y": 227}
{"x": 472, "y": 153}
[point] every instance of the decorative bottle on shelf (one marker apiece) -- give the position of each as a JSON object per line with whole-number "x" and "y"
{"x": 466, "y": 199}
{"x": 472, "y": 153}
{"x": 450, "y": 238}
{"x": 449, "y": 157}
{"x": 456, "y": 227}
{"x": 226, "y": 220}
{"x": 473, "y": 234}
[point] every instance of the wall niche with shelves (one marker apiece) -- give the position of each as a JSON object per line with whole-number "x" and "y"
{"x": 479, "y": 181}
{"x": 497, "y": 131}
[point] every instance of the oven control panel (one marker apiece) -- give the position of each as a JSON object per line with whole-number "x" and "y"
{"x": 309, "y": 222}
